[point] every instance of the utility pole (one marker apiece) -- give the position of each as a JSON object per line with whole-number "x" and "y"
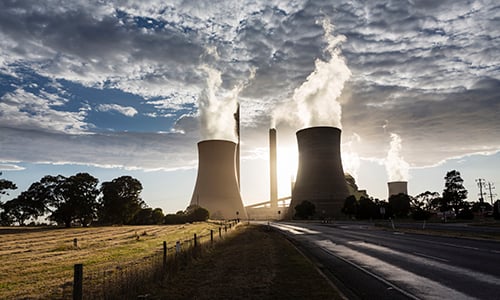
{"x": 481, "y": 183}
{"x": 491, "y": 187}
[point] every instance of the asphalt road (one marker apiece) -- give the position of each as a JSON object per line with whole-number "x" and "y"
{"x": 368, "y": 263}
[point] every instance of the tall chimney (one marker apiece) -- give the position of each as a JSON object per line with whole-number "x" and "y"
{"x": 272, "y": 167}
{"x": 397, "y": 187}
{"x": 320, "y": 176}
{"x": 237, "y": 133}
{"x": 216, "y": 186}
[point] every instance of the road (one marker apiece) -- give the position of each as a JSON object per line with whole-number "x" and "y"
{"x": 369, "y": 263}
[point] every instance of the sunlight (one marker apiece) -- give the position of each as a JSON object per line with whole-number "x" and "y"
{"x": 287, "y": 163}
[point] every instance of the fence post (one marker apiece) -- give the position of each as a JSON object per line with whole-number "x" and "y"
{"x": 220, "y": 232}
{"x": 211, "y": 236}
{"x": 195, "y": 240}
{"x": 177, "y": 247}
{"x": 164, "y": 255}
{"x": 78, "y": 282}
{"x": 225, "y": 228}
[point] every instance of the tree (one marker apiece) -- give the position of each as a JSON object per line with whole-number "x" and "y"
{"x": 22, "y": 208}
{"x": 400, "y": 204}
{"x": 199, "y": 214}
{"x": 425, "y": 201}
{"x": 350, "y": 206}
{"x": 70, "y": 199}
{"x": 121, "y": 200}
{"x": 422, "y": 205}
{"x": 481, "y": 207}
{"x": 454, "y": 194}
{"x": 157, "y": 216}
{"x": 305, "y": 210}
{"x": 366, "y": 208}
{"x": 148, "y": 216}
{"x": 81, "y": 198}
{"x": 6, "y": 185}
{"x": 496, "y": 210}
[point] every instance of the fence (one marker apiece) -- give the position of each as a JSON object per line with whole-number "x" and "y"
{"x": 132, "y": 279}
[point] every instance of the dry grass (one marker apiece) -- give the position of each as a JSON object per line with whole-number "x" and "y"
{"x": 38, "y": 263}
{"x": 251, "y": 264}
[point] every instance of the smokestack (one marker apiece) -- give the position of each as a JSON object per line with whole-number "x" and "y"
{"x": 272, "y": 168}
{"x": 320, "y": 176}
{"x": 216, "y": 186}
{"x": 397, "y": 187}
{"x": 237, "y": 133}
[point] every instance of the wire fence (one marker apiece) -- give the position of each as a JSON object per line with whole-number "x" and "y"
{"x": 130, "y": 280}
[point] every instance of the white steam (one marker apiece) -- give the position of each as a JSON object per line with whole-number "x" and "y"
{"x": 396, "y": 167}
{"x": 217, "y": 107}
{"x": 351, "y": 161}
{"x": 315, "y": 101}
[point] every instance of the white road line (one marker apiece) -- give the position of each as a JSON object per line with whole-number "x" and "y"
{"x": 473, "y": 275}
{"x": 294, "y": 229}
{"x": 392, "y": 275}
{"x": 430, "y": 256}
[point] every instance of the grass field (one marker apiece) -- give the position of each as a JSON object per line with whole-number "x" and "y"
{"x": 37, "y": 263}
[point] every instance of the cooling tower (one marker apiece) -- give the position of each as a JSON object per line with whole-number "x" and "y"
{"x": 397, "y": 187}
{"x": 216, "y": 186}
{"x": 272, "y": 168}
{"x": 320, "y": 176}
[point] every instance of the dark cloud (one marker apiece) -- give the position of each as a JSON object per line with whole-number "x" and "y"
{"x": 429, "y": 69}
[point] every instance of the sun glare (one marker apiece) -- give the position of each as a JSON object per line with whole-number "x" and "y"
{"x": 287, "y": 163}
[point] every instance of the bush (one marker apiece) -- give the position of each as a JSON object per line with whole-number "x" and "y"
{"x": 193, "y": 214}
{"x": 420, "y": 214}
{"x": 305, "y": 210}
{"x": 465, "y": 214}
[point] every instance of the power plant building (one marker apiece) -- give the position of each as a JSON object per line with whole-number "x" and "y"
{"x": 217, "y": 187}
{"x": 397, "y": 187}
{"x": 320, "y": 175}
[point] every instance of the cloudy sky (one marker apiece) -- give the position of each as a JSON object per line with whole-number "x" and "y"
{"x": 129, "y": 87}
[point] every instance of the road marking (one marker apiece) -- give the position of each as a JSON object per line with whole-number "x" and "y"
{"x": 294, "y": 229}
{"x": 426, "y": 288}
{"x": 430, "y": 256}
{"x": 473, "y": 275}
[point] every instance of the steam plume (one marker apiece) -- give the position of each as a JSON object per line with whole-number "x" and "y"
{"x": 350, "y": 158}
{"x": 396, "y": 167}
{"x": 315, "y": 101}
{"x": 217, "y": 107}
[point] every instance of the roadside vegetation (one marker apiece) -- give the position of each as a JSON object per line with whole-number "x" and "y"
{"x": 255, "y": 263}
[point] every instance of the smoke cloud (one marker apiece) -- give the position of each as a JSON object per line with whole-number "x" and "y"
{"x": 396, "y": 167}
{"x": 217, "y": 107}
{"x": 315, "y": 101}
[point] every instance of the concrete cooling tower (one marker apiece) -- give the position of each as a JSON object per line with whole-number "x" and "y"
{"x": 320, "y": 176}
{"x": 216, "y": 186}
{"x": 397, "y": 187}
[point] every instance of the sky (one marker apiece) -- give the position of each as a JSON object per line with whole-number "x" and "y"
{"x": 118, "y": 88}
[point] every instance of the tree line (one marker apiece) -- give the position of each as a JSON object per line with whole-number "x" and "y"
{"x": 452, "y": 203}
{"x": 78, "y": 200}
